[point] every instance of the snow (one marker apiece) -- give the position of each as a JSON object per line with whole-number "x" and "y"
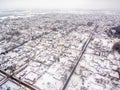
{"x": 1, "y": 77}
{"x": 47, "y": 82}
{"x": 9, "y": 85}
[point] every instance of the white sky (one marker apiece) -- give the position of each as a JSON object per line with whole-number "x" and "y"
{"x": 60, "y": 4}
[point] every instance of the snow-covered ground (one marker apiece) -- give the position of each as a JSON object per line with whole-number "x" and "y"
{"x": 41, "y": 50}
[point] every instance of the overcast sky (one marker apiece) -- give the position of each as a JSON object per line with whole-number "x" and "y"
{"x": 60, "y": 4}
